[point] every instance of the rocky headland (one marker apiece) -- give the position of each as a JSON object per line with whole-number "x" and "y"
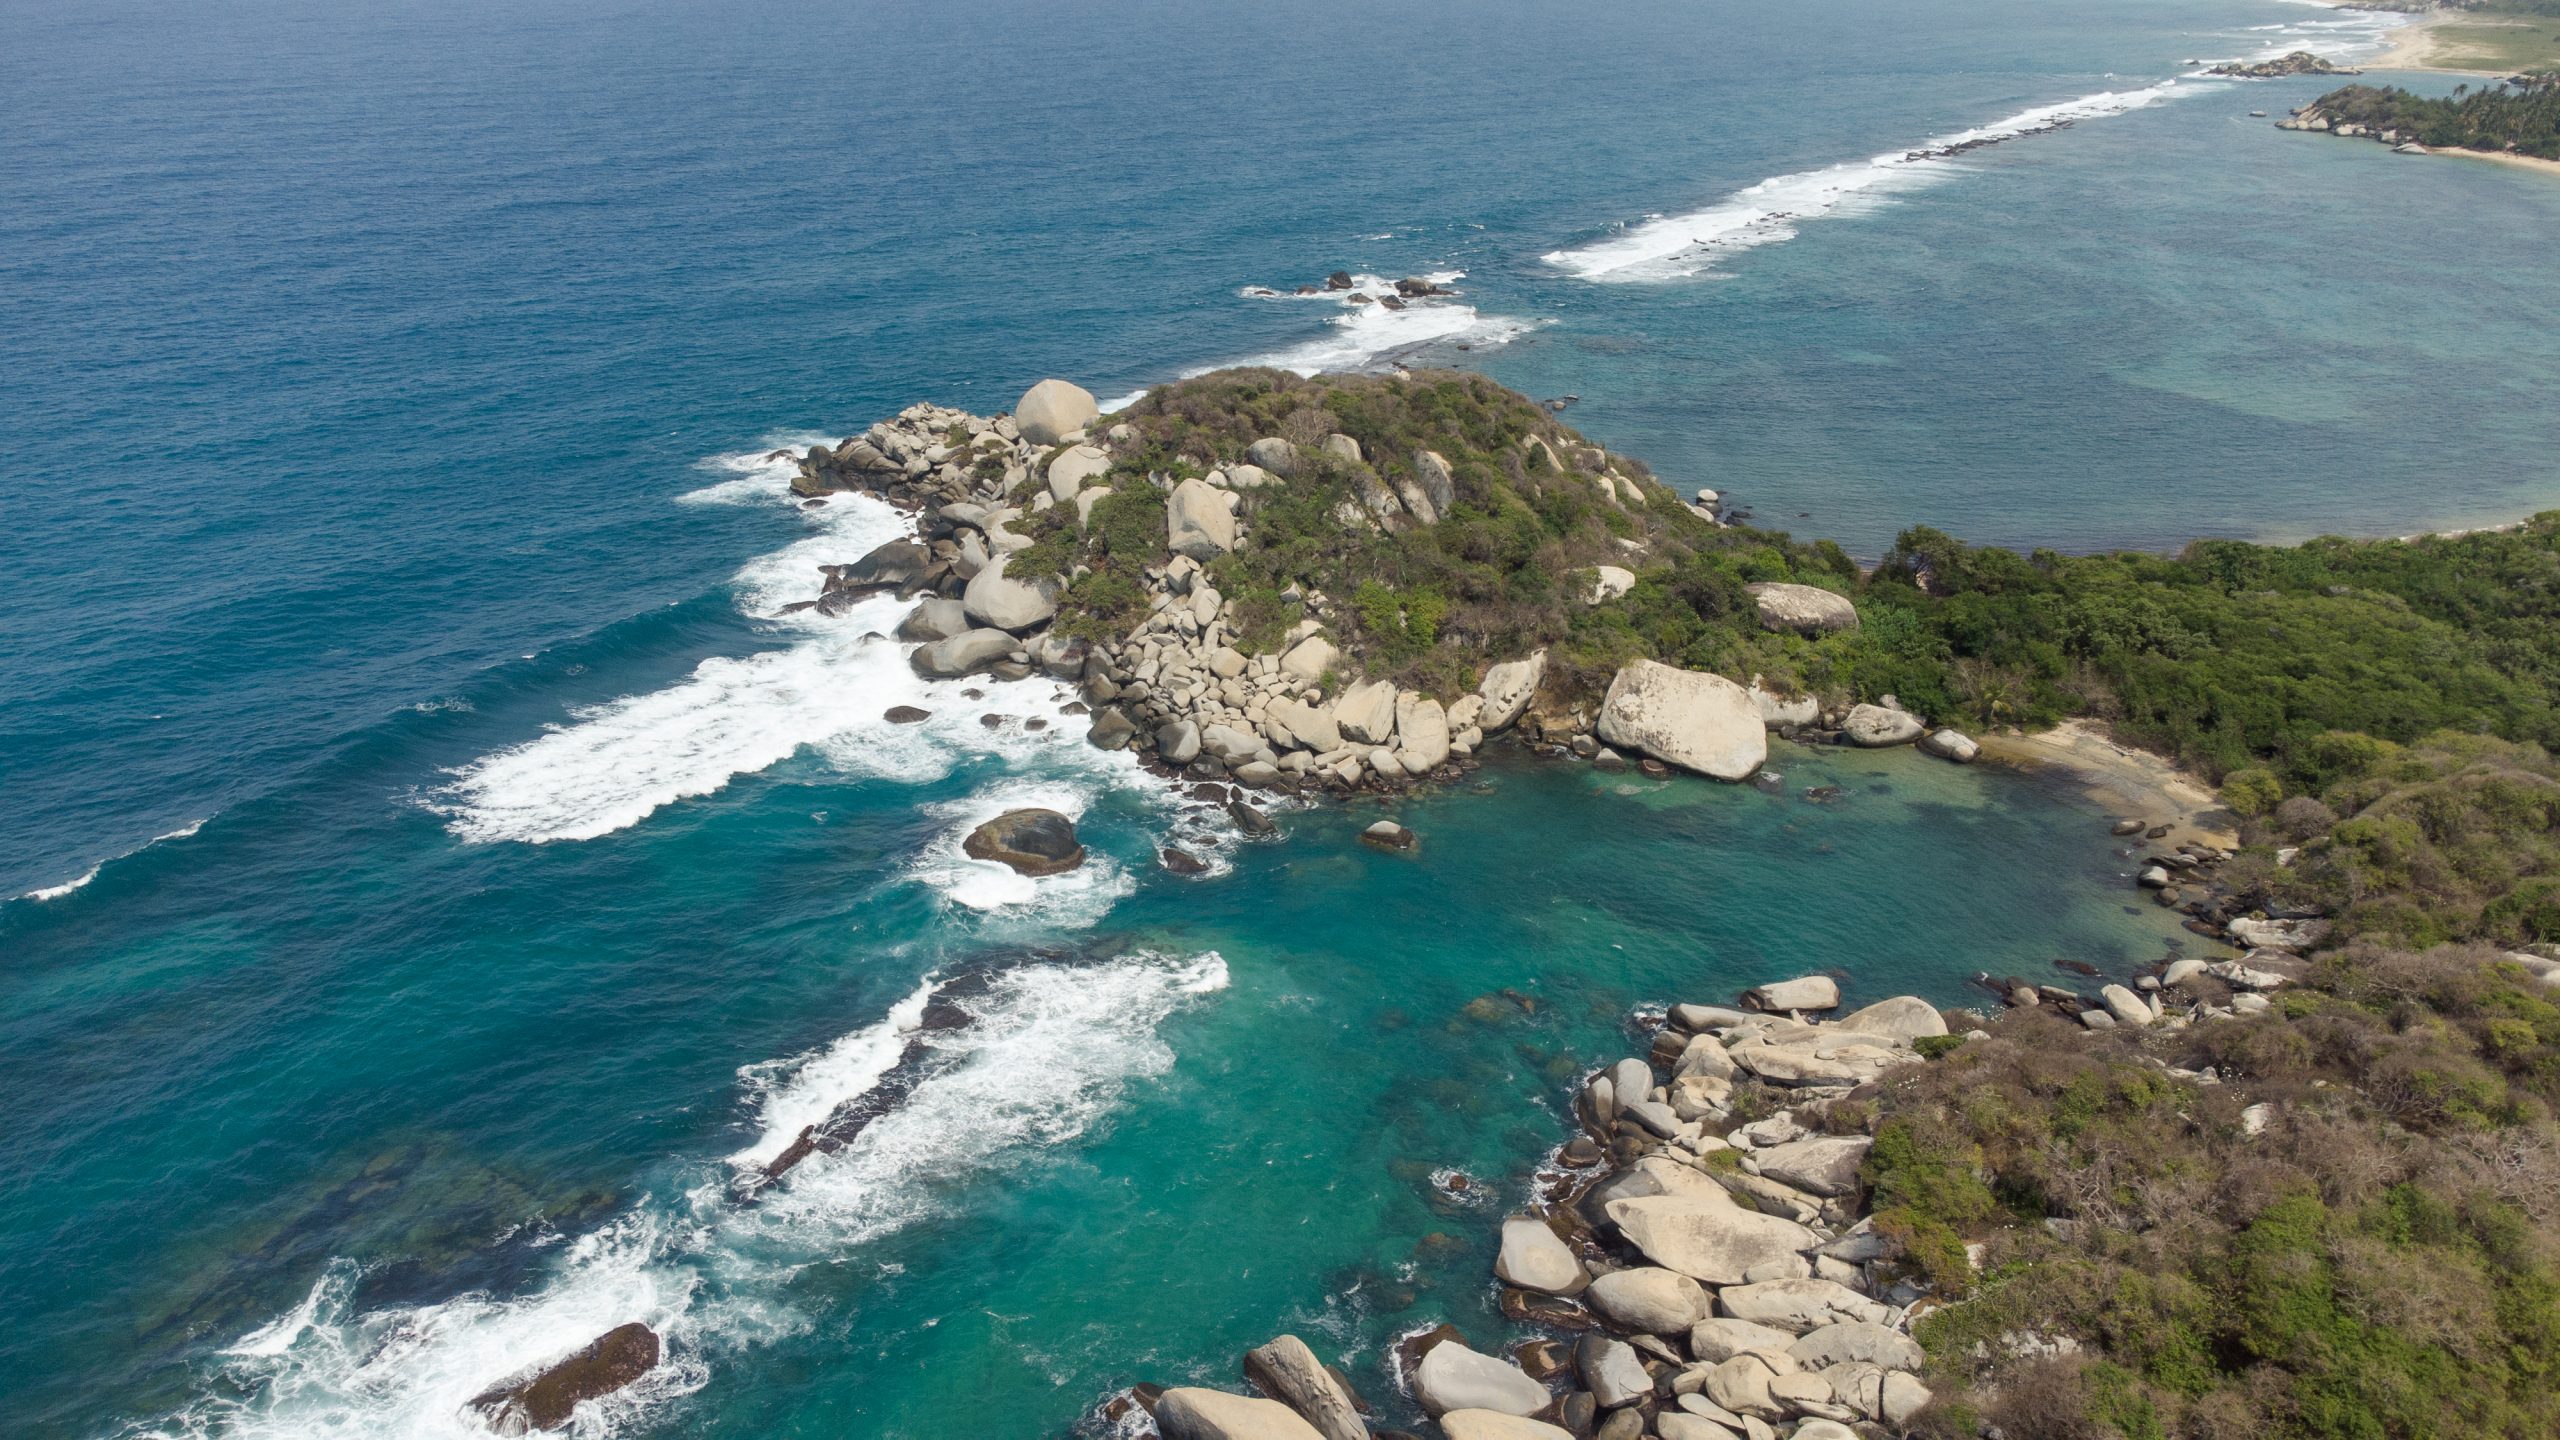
{"x": 1198, "y": 579}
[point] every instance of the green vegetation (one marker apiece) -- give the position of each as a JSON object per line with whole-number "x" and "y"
{"x": 2379, "y": 1262}
{"x": 1430, "y": 605}
{"x": 2117, "y": 1251}
{"x": 2232, "y": 657}
{"x": 2522, "y": 118}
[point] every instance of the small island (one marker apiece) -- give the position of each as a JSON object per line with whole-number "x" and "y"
{"x": 2300, "y": 62}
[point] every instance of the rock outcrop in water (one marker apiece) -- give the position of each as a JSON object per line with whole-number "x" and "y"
{"x": 2299, "y": 62}
{"x": 1032, "y": 842}
{"x": 611, "y": 1362}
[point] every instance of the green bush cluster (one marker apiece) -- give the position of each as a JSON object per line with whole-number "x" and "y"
{"x": 2524, "y": 118}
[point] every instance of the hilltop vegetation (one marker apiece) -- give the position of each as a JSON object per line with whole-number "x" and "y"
{"x": 1502, "y": 573}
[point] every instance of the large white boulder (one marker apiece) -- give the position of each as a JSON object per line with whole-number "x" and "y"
{"x": 1069, "y": 472}
{"x": 1507, "y": 689}
{"x": 1784, "y": 712}
{"x": 1715, "y": 1243}
{"x": 1311, "y": 725}
{"x": 1875, "y": 726}
{"x": 1189, "y": 1413}
{"x": 1800, "y": 1305}
{"x": 1200, "y": 520}
{"x": 1534, "y": 1259}
{"x": 1804, "y": 609}
{"x": 1439, "y": 483}
{"x": 1687, "y": 718}
{"x": 1607, "y": 583}
{"x": 1823, "y": 1165}
{"x": 1857, "y": 1342}
{"x": 1453, "y": 1377}
{"x": 1649, "y": 1299}
{"x": 1904, "y": 1017}
{"x": 1052, "y": 410}
{"x": 1422, "y": 733}
{"x": 1309, "y": 659}
{"x": 1001, "y": 603}
{"x": 1805, "y": 992}
{"x": 1367, "y": 713}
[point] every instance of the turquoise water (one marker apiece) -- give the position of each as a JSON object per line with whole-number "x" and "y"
{"x": 383, "y": 394}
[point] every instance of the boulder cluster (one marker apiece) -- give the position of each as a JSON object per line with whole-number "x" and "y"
{"x": 1185, "y": 690}
{"x": 2320, "y": 122}
{"x": 1700, "y": 1276}
{"x": 2299, "y": 62}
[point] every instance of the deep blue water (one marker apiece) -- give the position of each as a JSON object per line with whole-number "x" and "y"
{"x": 356, "y": 367}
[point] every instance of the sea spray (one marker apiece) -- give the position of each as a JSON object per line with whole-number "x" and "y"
{"x": 1678, "y": 246}
{"x": 1049, "y": 1051}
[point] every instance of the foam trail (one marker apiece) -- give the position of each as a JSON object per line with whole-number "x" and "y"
{"x": 56, "y": 892}
{"x": 1050, "y": 1052}
{"x": 1676, "y": 246}
{"x": 805, "y": 1089}
{"x": 1053, "y": 1050}
{"x": 1370, "y": 336}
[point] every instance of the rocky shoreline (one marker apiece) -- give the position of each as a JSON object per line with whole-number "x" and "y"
{"x": 1185, "y": 691}
{"x": 1700, "y": 1261}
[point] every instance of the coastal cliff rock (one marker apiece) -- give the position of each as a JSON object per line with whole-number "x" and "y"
{"x": 1032, "y": 842}
{"x": 613, "y": 1360}
{"x": 1687, "y": 718}
{"x": 1052, "y": 410}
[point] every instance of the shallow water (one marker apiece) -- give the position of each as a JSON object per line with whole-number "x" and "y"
{"x": 387, "y": 533}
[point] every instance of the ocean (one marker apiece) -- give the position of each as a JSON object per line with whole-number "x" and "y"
{"x": 436, "y": 867}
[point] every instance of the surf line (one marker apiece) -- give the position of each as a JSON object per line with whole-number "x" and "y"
{"x": 1678, "y": 246}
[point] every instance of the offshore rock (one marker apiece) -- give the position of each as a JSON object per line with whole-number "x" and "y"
{"x": 1032, "y": 842}
{"x": 608, "y": 1363}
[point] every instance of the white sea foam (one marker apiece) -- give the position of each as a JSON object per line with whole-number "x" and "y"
{"x": 80, "y": 881}
{"x": 1075, "y": 899}
{"x": 1370, "y": 336}
{"x": 792, "y": 1094}
{"x": 1051, "y": 1052}
{"x": 617, "y": 763}
{"x": 1675, "y": 246}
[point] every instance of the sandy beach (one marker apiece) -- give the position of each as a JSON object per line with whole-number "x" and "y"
{"x": 2424, "y": 45}
{"x": 2136, "y": 783}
